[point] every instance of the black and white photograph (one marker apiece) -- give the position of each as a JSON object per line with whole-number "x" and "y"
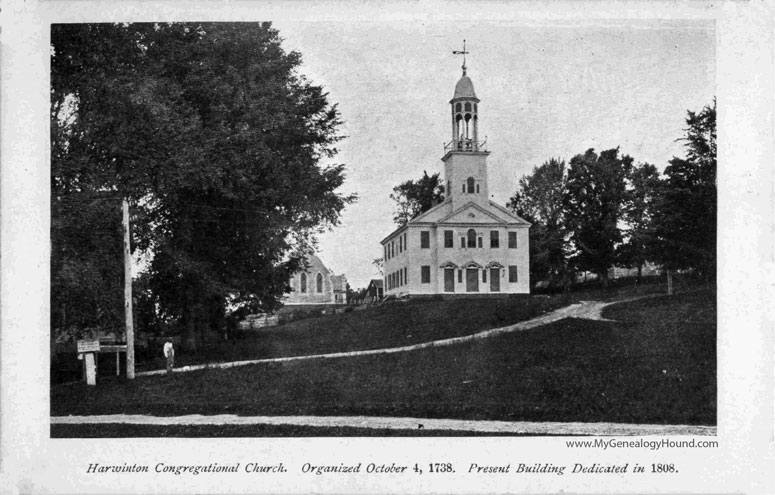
{"x": 414, "y": 233}
{"x": 423, "y": 250}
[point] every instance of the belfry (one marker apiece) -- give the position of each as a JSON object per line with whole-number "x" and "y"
{"x": 467, "y": 244}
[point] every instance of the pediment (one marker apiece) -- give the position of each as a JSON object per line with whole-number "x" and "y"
{"x": 435, "y": 214}
{"x": 472, "y": 213}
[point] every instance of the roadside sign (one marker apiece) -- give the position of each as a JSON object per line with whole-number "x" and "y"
{"x": 88, "y": 346}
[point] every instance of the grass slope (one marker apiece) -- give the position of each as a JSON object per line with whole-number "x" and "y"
{"x": 657, "y": 364}
{"x": 392, "y": 325}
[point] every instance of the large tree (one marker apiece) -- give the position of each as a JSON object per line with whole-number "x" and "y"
{"x": 218, "y": 141}
{"x": 594, "y": 208}
{"x": 685, "y": 219}
{"x": 414, "y": 197}
{"x": 643, "y": 186}
{"x": 540, "y": 200}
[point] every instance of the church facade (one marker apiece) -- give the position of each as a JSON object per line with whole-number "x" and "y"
{"x": 468, "y": 244}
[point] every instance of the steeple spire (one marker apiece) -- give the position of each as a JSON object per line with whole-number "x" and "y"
{"x": 463, "y": 53}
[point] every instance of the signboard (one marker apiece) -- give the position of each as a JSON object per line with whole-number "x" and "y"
{"x": 88, "y": 346}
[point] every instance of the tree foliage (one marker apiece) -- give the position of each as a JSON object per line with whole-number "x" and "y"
{"x": 685, "y": 218}
{"x": 594, "y": 207}
{"x": 211, "y": 132}
{"x": 414, "y": 197}
{"x": 539, "y": 200}
{"x": 639, "y": 209}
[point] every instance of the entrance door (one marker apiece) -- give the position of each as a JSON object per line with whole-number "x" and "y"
{"x": 495, "y": 280}
{"x": 449, "y": 280}
{"x": 472, "y": 280}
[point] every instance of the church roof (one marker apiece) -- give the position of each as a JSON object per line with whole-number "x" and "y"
{"x": 464, "y": 88}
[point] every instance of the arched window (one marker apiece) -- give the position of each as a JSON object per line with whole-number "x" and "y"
{"x": 320, "y": 282}
{"x": 471, "y": 238}
{"x": 457, "y": 107}
{"x": 470, "y": 185}
{"x": 304, "y": 282}
{"x": 468, "y": 107}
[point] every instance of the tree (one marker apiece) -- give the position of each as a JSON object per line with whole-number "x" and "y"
{"x": 539, "y": 200}
{"x": 416, "y": 197}
{"x": 643, "y": 188}
{"x": 379, "y": 264}
{"x": 596, "y": 193}
{"x": 685, "y": 217}
{"x": 217, "y": 140}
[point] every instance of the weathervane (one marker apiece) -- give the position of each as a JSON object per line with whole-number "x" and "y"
{"x": 463, "y": 53}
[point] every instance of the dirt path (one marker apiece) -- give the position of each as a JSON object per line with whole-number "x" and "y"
{"x": 590, "y": 310}
{"x": 517, "y": 427}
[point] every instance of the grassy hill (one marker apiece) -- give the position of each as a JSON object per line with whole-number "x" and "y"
{"x": 655, "y": 364}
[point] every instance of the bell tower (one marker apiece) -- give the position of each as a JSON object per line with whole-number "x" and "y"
{"x": 465, "y": 157}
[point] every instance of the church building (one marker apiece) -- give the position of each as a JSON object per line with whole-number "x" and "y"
{"x": 316, "y": 285}
{"x": 468, "y": 244}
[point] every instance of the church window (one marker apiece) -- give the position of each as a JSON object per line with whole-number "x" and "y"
{"x": 468, "y": 107}
{"x": 425, "y": 240}
{"x": 303, "y": 283}
{"x": 448, "y": 239}
{"x": 470, "y": 185}
{"x": 513, "y": 273}
{"x": 479, "y": 242}
{"x": 512, "y": 240}
{"x": 320, "y": 282}
{"x": 471, "y": 238}
{"x": 494, "y": 239}
{"x": 458, "y": 107}
{"x": 425, "y": 274}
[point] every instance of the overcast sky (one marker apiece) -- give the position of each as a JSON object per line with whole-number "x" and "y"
{"x": 546, "y": 90}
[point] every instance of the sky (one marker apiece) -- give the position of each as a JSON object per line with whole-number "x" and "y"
{"x": 547, "y": 89}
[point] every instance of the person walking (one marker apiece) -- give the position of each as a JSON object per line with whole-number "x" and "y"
{"x": 169, "y": 353}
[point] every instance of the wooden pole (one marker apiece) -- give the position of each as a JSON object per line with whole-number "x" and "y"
{"x": 130, "y": 333}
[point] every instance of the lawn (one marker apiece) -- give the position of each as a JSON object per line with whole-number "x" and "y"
{"x": 656, "y": 364}
{"x": 393, "y": 325}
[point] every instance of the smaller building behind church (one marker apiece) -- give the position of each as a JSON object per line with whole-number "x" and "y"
{"x": 317, "y": 285}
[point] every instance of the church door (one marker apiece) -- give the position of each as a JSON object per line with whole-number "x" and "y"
{"x": 449, "y": 280}
{"x": 472, "y": 280}
{"x": 495, "y": 280}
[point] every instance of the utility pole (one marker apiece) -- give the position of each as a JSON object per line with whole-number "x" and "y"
{"x": 130, "y": 333}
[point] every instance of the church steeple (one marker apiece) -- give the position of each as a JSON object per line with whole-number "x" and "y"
{"x": 465, "y": 112}
{"x": 465, "y": 157}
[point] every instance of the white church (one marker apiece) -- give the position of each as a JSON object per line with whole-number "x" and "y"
{"x": 468, "y": 244}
